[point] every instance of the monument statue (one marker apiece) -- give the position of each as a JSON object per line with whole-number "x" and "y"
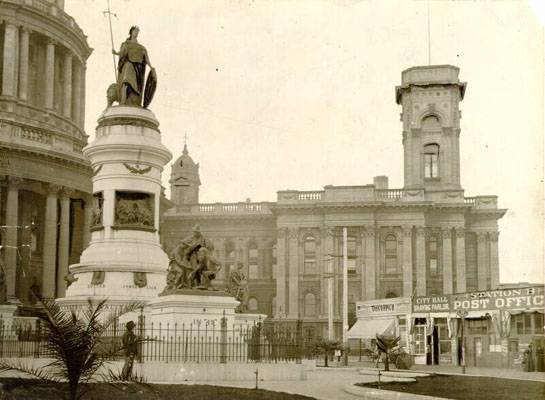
{"x": 129, "y": 90}
{"x": 238, "y": 287}
{"x": 191, "y": 266}
{"x": 205, "y": 271}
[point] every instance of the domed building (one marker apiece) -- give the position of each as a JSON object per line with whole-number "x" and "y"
{"x": 46, "y": 203}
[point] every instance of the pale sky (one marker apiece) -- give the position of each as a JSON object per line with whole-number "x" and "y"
{"x": 278, "y": 95}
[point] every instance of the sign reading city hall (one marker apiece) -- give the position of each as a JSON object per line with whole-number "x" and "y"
{"x": 502, "y": 299}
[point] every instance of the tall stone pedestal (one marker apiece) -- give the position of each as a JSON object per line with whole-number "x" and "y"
{"x": 124, "y": 261}
{"x": 193, "y": 309}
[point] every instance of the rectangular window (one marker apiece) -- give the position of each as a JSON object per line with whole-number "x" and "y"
{"x": 351, "y": 264}
{"x": 433, "y": 267}
{"x": 252, "y": 253}
{"x": 513, "y": 346}
{"x": 310, "y": 267}
{"x": 419, "y": 340}
{"x": 430, "y": 166}
{"x": 527, "y": 324}
{"x": 273, "y": 271}
{"x": 538, "y": 323}
{"x": 402, "y": 332}
{"x": 519, "y": 323}
{"x": 253, "y": 271}
{"x": 477, "y": 326}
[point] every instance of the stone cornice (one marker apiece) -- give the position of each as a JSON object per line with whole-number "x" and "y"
{"x": 52, "y": 155}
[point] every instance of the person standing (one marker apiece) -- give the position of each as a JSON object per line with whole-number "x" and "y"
{"x": 131, "y": 350}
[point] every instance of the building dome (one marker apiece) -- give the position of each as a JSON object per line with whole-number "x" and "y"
{"x": 46, "y": 203}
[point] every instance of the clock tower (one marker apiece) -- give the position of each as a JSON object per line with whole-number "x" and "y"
{"x": 430, "y": 97}
{"x": 184, "y": 180}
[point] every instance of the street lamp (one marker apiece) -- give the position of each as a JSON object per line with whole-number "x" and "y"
{"x": 463, "y": 314}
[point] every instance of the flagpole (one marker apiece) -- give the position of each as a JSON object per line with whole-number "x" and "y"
{"x": 111, "y": 36}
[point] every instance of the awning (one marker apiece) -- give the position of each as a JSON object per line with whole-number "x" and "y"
{"x": 369, "y": 328}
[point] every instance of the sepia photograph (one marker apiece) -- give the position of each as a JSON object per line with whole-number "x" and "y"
{"x": 272, "y": 199}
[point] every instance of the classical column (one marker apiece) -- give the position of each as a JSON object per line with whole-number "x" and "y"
{"x": 12, "y": 231}
{"x": 281, "y": 273}
{"x": 9, "y": 79}
{"x": 81, "y": 113}
{"x": 67, "y": 98}
{"x": 370, "y": 263}
{"x": 420, "y": 261}
{"x": 50, "y": 242}
{"x": 23, "y": 64}
{"x": 64, "y": 241}
{"x": 76, "y": 93}
{"x": 49, "y": 74}
{"x": 482, "y": 261}
{"x": 293, "y": 282}
{"x": 447, "y": 261}
{"x": 361, "y": 259}
{"x": 460, "y": 260}
{"x": 407, "y": 261}
{"x": 494, "y": 260}
{"x": 87, "y": 217}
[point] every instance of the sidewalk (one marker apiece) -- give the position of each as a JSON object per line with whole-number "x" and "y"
{"x": 506, "y": 373}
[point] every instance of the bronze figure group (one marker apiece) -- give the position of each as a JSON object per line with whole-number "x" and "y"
{"x": 192, "y": 266}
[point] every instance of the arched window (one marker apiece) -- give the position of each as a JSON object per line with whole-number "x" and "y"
{"x": 310, "y": 305}
{"x": 431, "y": 123}
{"x": 391, "y": 265}
{"x": 431, "y": 160}
{"x": 310, "y": 255}
{"x": 252, "y": 304}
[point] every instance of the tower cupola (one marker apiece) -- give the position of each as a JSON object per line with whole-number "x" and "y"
{"x": 184, "y": 180}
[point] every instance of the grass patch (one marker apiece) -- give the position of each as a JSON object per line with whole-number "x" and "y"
{"x": 27, "y": 389}
{"x": 467, "y": 387}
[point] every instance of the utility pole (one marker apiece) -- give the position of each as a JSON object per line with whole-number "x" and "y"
{"x": 462, "y": 314}
{"x": 329, "y": 275}
{"x": 345, "y": 294}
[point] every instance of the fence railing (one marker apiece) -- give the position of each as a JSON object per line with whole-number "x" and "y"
{"x": 262, "y": 342}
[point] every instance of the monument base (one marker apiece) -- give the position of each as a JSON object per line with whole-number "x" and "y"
{"x": 192, "y": 309}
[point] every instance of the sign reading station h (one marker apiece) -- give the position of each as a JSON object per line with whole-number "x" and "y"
{"x": 505, "y": 299}
{"x": 486, "y": 300}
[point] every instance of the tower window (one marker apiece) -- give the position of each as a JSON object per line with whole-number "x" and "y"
{"x": 431, "y": 160}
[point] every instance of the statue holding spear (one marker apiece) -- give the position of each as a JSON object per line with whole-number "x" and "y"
{"x": 129, "y": 88}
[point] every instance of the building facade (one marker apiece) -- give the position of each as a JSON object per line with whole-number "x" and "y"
{"x": 498, "y": 328}
{"x": 45, "y": 207}
{"x": 426, "y": 238}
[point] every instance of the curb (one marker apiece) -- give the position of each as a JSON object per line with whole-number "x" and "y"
{"x": 479, "y": 375}
{"x": 378, "y": 394}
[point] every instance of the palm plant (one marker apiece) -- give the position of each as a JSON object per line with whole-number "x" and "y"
{"x": 327, "y": 346}
{"x": 386, "y": 344}
{"x": 76, "y": 344}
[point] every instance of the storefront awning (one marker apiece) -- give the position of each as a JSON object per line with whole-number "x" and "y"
{"x": 369, "y": 328}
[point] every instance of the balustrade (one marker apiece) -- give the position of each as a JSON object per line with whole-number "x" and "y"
{"x": 388, "y": 194}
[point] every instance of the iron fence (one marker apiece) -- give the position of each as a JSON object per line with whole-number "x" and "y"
{"x": 260, "y": 342}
